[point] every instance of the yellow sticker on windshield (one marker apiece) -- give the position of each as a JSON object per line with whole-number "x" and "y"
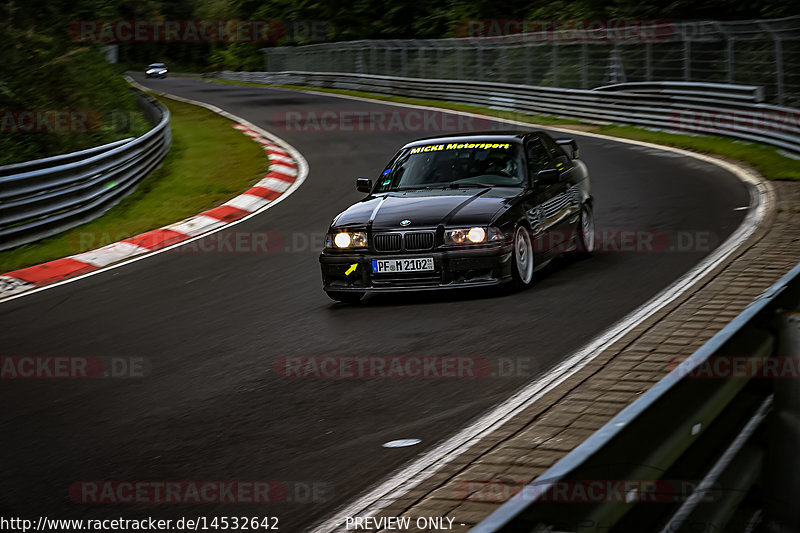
{"x": 460, "y": 146}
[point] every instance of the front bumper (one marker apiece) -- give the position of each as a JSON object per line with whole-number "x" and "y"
{"x": 453, "y": 269}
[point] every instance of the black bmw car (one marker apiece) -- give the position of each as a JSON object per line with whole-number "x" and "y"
{"x": 473, "y": 210}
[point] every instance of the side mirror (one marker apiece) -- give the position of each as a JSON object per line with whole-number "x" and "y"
{"x": 570, "y": 146}
{"x": 363, "y": 184}
{"x": 548, "y": 176}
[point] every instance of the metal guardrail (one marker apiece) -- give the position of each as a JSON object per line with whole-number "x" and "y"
{"x": 711, "y": 109}
{"x": 746, "y": 93}
{"x": 44, "y": 197}
{"x": 707, "y": 430}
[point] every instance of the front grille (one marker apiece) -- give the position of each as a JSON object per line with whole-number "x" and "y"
{"x": 388, "y": 242}
{"x": 419, "y": 240}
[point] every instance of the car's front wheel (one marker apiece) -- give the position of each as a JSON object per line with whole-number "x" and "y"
{"x": 346, "y": 296}
{"x": 522, "y": 262}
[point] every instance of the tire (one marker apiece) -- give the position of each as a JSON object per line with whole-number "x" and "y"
{"x": 586, "y": 239}
{"x": 346, "y": 296}
{"x": 522, "y": 262}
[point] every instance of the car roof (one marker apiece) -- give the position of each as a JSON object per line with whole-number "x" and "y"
{"x": 514, "y": 136}
{"x": 156, "y": 64}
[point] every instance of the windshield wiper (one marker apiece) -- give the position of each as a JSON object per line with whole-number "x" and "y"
{"x": 465, "y": 185}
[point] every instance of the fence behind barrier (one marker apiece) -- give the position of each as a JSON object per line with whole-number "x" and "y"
{"x": 577, "y": 54}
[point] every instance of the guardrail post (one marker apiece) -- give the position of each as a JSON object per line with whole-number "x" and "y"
{"x": 504, "y": 66}
{"x": 479, "y": 55}
{"x": 554, "y": 64}
{"x": 783, "y": 466}
{"x": 617, "y": 67}
{"x": 528, "y": 67}
{"x": 730, "y": 47}
{"x": 584, "y": 64}
{"x": 648, "y": 61}
{"x": 687, "y": 60}
{"x": 778, "y": 68}
{"x": 360, "y": 62}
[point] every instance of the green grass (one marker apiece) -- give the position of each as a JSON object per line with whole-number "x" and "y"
{"x": 768, "y": 161}
{"x": 209, "y": 163}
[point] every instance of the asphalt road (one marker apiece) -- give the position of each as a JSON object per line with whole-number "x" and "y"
{"x": 211, "y": 325}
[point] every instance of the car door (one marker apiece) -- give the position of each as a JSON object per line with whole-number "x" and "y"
{"x": 569, "y": 202}
{"x": 544, "y": 212}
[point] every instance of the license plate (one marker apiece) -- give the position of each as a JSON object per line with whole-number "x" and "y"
{"x": 389, "y": 266}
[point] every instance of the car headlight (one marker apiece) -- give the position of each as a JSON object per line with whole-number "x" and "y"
{"x": 473, "y": 235}
{"x": 346, "y": 239}
{"x": 150, "y": 71}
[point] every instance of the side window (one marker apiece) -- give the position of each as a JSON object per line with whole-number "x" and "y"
{"x": 538, "y": 157}
{"x": 387, "y": 177}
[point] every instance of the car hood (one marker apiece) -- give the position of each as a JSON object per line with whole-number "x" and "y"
{"x": 427, "y": 209}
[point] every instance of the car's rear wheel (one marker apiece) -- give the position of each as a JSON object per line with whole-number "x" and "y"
{"x": 586, "y": 234}
{"x": 346, "y": 296}
{"x": 522, "y": 262}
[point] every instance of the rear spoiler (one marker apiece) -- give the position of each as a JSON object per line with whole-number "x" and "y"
{"x": 565, "y": 142}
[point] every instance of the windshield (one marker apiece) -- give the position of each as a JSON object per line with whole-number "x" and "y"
{"x": 157, "y": 65}
{"x": 455, "y": 165}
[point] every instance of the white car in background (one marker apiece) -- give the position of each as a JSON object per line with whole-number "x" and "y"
{"x": 156, "y": 70}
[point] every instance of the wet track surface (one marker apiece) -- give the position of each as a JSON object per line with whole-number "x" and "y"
{"x": 211, "y": 325}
